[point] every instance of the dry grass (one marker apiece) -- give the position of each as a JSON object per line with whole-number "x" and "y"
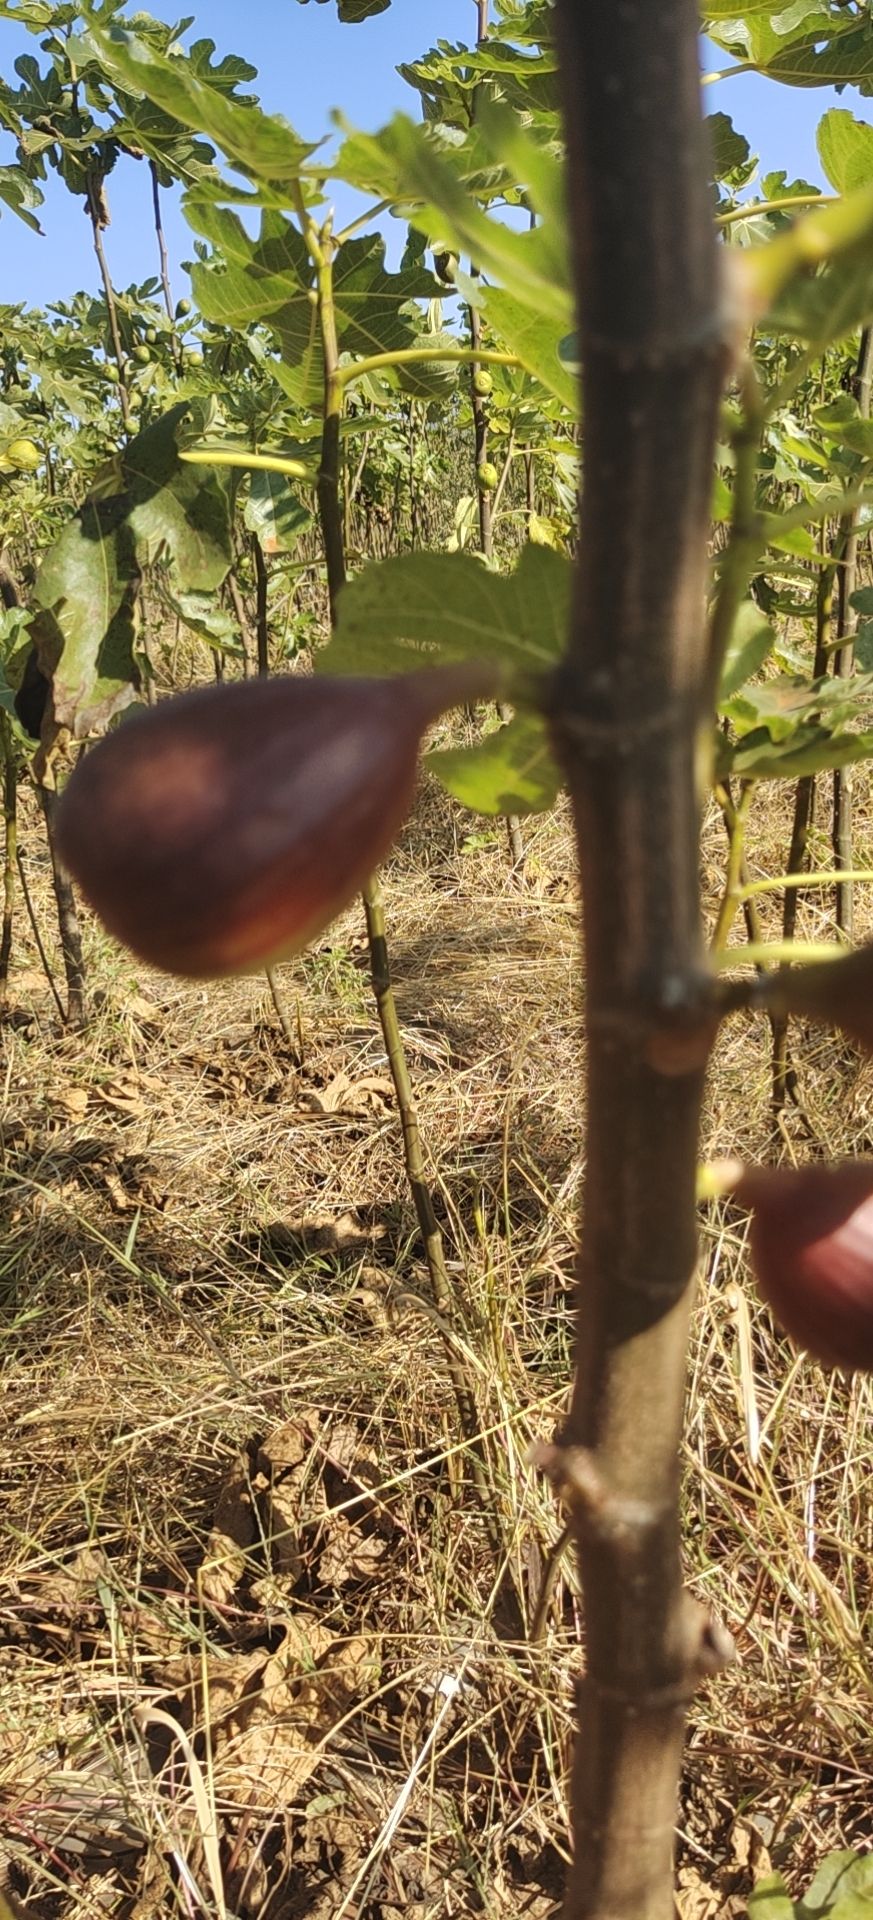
{"x": 257, "y": 1654}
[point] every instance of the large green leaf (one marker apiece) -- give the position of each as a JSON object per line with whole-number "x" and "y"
{"x": 247, "y": 279}
{"x": 353, "y": 11}
{"x": 15, "y": 649}
{"x": 770, "y": 1900}
{"x": 535, "y": 342}
{"x": 513, "y": 770}
{"x": 84, "y": 628}
{"x": 717, "y": 10}
{"x": 843, "y": 1880}
{"x": 177, "y": 154}
{"x": 159, "y": 509}
{"x": 178, "y": 513}
{"x": 844, "y": 58}
{"x": 518, "y": 62}
{"x": 731, "y": 153}
{"x": 808, "y": 43}
{"x": 369, "y": 302}
{"x": 419, "y": 609}
{"x": 845, "y": 147}
{"x": 262, "y": 146}
{"x": 439, "y": 184}
{"x": 782, "y": 705}
{"x": 829, "y": 305}
{"x": 275, "y": 513}
{"x": 752, "y": 641}
{"x": 269, "y": 278}
{"x": 429, "y": 179}
{"x": 806, "y": 750}
{"x": 206, "y": 617}
{"x": 21, "y": 196}
{"x": 841, "y": 420}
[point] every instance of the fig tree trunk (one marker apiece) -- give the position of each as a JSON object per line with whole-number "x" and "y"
{"x": 630, "y": 705}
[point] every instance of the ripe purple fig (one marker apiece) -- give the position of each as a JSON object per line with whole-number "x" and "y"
{"x": 228, "y": 827}
{"x": 812, "y": 1249}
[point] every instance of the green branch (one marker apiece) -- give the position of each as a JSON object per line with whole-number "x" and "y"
{"x": 423, "y": 356}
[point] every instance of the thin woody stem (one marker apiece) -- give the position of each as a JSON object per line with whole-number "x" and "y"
{"x": 630, "y": 701}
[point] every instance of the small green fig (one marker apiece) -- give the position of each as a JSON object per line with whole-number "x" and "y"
{"x": 22, "y": 455}
{"x": 192, "y": 357}
{"x": 811, "y": 1241}
{"x": 486, "y": 477}
{"x": 183, "y": 307}
{"x": 483, "y": 383}
{"x": 111, "y": 371}
{"x": 151, "y": 336}
{"x": 141, "y": 354}
{"x": 228, "y": 827}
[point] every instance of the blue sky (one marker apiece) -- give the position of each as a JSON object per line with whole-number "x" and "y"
{"x": 307, "y": 64}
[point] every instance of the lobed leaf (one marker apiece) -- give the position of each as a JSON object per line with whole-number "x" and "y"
{"x": 422, "y": 609}
{"x": 510, "y": 771}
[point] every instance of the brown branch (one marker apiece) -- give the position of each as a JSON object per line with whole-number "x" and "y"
{"x": 629, "y": 702}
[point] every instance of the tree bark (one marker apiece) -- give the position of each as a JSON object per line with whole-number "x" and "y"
{"x": 629, "y": 703}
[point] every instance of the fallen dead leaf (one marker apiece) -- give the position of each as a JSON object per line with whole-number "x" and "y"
{"x": 233, "y": 1532}
{"x": 74, "y": 1100}
{"x": 288, "y": 1445}
{"x": 350, "y": 1554}
{"x": 272, "y": 1714}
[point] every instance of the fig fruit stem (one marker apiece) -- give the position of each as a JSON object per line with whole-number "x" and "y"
{"x": 68, "y": 917}
{"x": 850, "y": 534}
{"x": 10, "y": 818}
{"x": 95, "y": 199}
{"x": 39, "y": 943}
{"x": 631, "y": 701}
{"x": 386, "y": 1005}
{"x": 322, "y": 247}
{"x": 488, "y": 503}
{"x": 784, "y": 1076}
{"x": 736, "y": 816}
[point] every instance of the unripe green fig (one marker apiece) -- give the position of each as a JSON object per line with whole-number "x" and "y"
{"x": 483, "y": 383}
{"x": 226, "y": 828}
{"x": 111, "y": 371}
{"x": 141, "y": 354}
{"x": 183, "y": 307}
{"x": 486, "y": 477}
{"x": 811, "y": 1241}
{"x": 192, "y": 357}
{"x": 151, "y": 336}
{"x": 22, "y": 455}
